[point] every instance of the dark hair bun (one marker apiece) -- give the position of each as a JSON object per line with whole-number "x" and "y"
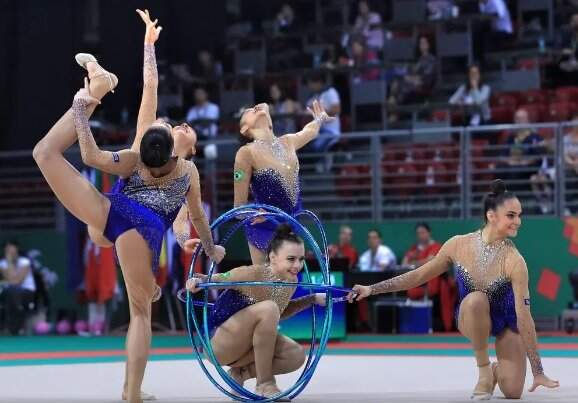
{"x": 156, "y": 147}
{"x": 498, "y": 187}
{"x": 283, "y": 231}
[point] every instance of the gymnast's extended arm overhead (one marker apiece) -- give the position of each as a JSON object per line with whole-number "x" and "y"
{"x": 147, "y": 113}
{"x": 311, "y": 129}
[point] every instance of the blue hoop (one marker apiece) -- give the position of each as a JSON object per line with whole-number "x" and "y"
{"x": 245, "y": 213}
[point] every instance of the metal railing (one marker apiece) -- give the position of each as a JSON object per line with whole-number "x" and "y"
{"x": 375, "y": 176}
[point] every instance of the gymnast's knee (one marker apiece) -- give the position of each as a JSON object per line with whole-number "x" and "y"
{"x": 297, "y": 353}
{"x": 475, "y": 303}
{"x": 511, "y": 388}
{"x": 268, "y": 311}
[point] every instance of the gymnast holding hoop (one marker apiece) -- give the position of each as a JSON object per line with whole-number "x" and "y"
{"x": 243, "y": 321}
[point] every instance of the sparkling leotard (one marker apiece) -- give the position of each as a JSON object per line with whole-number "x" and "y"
{"x": 236, "y": 299}
{"x": 147, "y": 204}
{"x": 275, "y": 183}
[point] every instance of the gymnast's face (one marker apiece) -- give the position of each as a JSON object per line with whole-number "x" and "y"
{"x": 257, "y": 116}
{"x": 507, "y": 218}
{"x": 287, "y": 261}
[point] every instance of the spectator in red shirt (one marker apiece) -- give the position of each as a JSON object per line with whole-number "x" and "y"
{"x": 424, "y": 250}
{"x": 344, "y": 248}
{"x": 442, "y": 289}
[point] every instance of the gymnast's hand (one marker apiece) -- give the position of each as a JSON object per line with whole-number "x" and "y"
{"x": 192, "y": 284}
{"x": 152, "y": 31}
{"x": 217, "y": 254}
{"x": 191, "y": 245}
{"x": 84, "y": 94}
{"x": 359, "y": 292}
{"x": 319, "y": 114}
{"x": 260, "y": 219}
{"x": 543, "y": 380}
{"x": 320, "y": 299}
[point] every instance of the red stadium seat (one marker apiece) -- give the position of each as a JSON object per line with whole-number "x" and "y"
{"x": 351, "y": 177}
{"x": 502, "y": 114}
{"x": 560, "y": 111}
{"x": 505, "y": 99}
{"x": 534, "y": 97}
{"x": 566, "y": 94}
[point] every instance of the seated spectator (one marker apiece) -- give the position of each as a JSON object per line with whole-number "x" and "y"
{"x": 203, "y": 116}
{"x": 361, "y": 57}
{"x": 378, "y": 257}
{"x": 424, "y": 249}
{"x": 17, "y": 286}
{"x": 329, "y": 97}
{"x": 442, "y": 289}
{"x": 368, "y": 24}
{"x": 565, "y": 67}
{"x": 285, "y": 20}
{"x": 571, "y": 148}
{"x": 522, "y": 153}
{"x": 417, "y": 85}
{"x": 475, "y": 96}
{"x": 440, "y": 9}
{"x": 344, "y": 249}
{"x": 206, "y": 68}
{"x": 502, "y": 22}
{"x": 284, "y": 51}
{"x": 280, "y": 104}
{"x": 571, "y": 157}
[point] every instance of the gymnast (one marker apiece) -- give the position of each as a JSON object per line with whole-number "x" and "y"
{"x": 154, "y": 183}
{"x": 243, "y": 321}
{"x": 494, "y": 298}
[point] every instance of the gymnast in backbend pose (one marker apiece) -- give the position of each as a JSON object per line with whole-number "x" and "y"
{"x": 269, "y": 167}
{"x": 154, "y": 183}
{"x": 243, "y": 322}
{"x": 494, "y": 299}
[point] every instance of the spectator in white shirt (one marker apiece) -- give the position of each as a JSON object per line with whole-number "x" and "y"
{"x": 203, "y": 115}
{"x": 328, "y": 96}
{"x": 368, "y": 24}
{"x": 17, "y": 286}
{"x": 378, "y": 257}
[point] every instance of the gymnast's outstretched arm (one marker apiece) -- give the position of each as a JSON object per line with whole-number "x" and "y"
{"x": 526, "y": 327}
{"x": 311, "y": 129}
{"x": 119, "y": 163}
{"x": 199, "y": 218}
{"x": 147, "y": 113}
{"x": 414, "y": 278}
